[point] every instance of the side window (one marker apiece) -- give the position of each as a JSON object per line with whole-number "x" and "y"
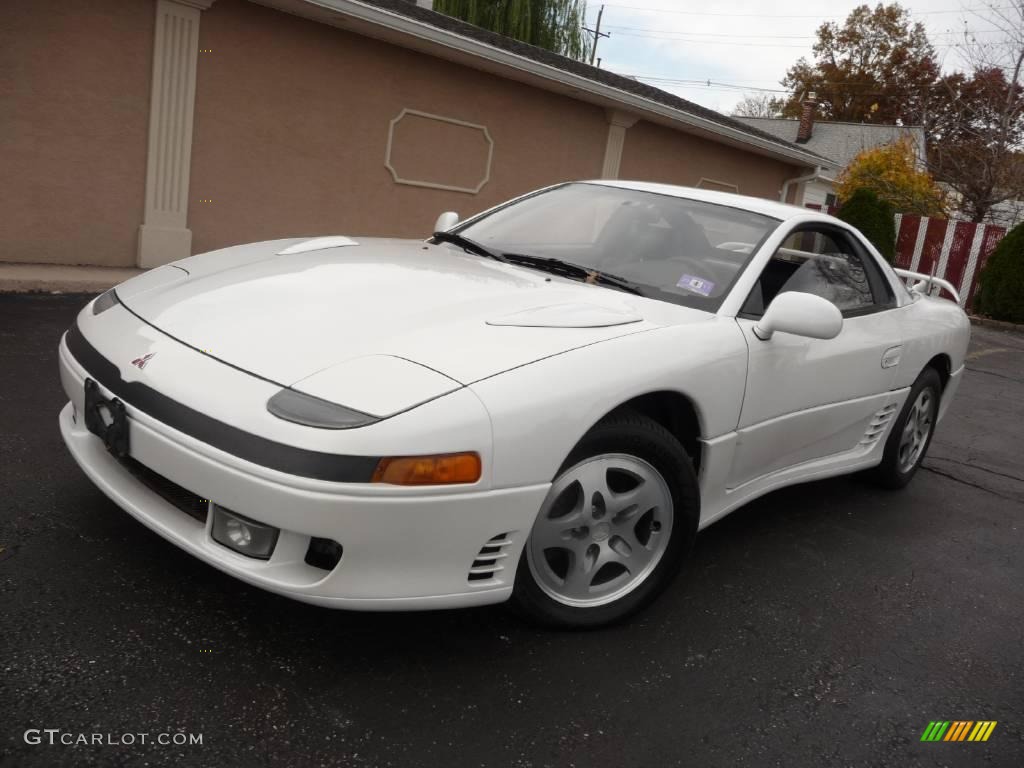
{"x": 822, "y": 262}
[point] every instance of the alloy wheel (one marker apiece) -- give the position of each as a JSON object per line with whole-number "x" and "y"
{"x": 916, "y": 430}
{"x": 603, "y": 528}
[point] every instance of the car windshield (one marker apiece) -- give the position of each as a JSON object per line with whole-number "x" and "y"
{"x": 679, "y": 250}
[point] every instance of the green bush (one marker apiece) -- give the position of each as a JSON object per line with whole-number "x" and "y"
{"x": 1001, "y": 293}
{"x": 875, "y": 219}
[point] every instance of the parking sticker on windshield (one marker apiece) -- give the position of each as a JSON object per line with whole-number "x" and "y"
{"x": 696, "y": 284}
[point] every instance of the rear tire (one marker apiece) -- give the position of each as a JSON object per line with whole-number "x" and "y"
{"x": 616, "y": 526}
{"x": 911, "y": 435}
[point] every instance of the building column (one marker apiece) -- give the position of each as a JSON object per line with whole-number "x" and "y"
{"x": 618, "y": 123}
{"x": 164, "y": 235}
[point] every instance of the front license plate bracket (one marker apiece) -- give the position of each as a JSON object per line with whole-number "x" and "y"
{"x": 107, "y": 419}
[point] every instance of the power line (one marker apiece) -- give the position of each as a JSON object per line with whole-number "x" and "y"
{"x": 708, "y": 84}
{"x": 827, "y": 86}
{"x": 658, "y": 32}
{"x": 678, "y": 38}
{"x": 686, "y": 37}
{"x": 708, "y": 34}
{"x": 791, "y": 16}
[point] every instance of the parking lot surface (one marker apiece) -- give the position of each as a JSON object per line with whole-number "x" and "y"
{"x": 825, "y": 624}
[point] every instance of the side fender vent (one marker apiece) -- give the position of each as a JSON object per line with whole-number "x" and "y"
{"x": 878, "y": 425}
{"x": 491, "y": 559}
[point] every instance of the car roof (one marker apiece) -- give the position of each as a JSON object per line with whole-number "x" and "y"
{"x": 781, "y": 211}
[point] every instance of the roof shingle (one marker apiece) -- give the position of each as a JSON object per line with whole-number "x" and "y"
{"x": 840, "y": 141}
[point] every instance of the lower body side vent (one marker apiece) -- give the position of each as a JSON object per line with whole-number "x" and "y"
{"x": 491, "y": 559}
{"x": 878, "y": 424}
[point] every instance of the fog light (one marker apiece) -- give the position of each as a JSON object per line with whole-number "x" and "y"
{"x": 323, "y": 553}
{"x": 245, "y": 536}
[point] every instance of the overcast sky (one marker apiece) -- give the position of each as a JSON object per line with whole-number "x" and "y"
{"x": 742, "y": 43}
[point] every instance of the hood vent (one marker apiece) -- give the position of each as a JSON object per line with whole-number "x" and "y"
{"x": 318, "y": 244}
{"x": 569, "y": 315}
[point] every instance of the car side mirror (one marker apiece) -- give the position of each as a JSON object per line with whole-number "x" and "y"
{"x": 446, "y": 221}
{"x": 802, "y": 314}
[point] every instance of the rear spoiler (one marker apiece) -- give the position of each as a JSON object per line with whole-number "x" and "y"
{"x": 924, "y": 284}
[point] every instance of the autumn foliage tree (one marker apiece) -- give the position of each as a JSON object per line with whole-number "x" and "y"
{"x": 877, "y": 67}
{"x": 976, "y": 131}
{"x": 891, "y": 172}
{"x": 972, "y": 147}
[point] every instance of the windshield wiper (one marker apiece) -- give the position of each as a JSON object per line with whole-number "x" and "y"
{"x": 567, "y": 269}
{"x": 467, "y": 245}
{"x": 544, "y": 263}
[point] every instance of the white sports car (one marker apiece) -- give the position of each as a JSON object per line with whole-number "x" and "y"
{"x": 545, "y": 402}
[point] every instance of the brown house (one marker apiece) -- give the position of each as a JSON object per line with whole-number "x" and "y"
{"x": 137, "y": 132}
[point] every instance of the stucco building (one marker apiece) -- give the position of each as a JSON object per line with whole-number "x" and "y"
{"x": 136, "y": 132}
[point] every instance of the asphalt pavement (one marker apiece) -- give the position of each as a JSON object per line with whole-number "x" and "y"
{"x": 825, "y": 624}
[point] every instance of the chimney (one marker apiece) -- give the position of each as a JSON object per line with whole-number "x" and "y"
{"x": 806, "y": 129}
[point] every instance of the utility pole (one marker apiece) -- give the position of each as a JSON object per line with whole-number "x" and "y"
{"x": 598, "y": 34}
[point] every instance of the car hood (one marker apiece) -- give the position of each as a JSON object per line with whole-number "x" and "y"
{"x": 287, "y": 316}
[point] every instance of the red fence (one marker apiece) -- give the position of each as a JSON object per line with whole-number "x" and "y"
{"x": 957, "y": 249}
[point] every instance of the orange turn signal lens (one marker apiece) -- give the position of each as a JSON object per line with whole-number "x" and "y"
{"x": 442, "y": 469}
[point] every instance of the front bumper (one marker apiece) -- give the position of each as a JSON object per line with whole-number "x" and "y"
{"x": 402, "y": 549}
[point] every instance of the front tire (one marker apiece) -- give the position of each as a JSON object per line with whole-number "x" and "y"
{"x": 911, "y": 435}
{"x": 616, "y": 525}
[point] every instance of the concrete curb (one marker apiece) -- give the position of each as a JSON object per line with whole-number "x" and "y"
{"x": 1002, "y": 325}
{"x": 61, "y": 278}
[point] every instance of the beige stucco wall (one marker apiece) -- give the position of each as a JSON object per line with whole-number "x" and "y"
{"x": 655, "y": 153}
{"x": 292, "y": 125}
{"x": 74, "y": 105}
{"x": 291, "y": 128}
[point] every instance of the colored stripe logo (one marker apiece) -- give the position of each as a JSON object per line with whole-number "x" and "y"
{"x": 958, "y": 730}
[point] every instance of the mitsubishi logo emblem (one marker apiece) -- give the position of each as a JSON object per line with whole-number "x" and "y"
{"x": 140, "y": 362}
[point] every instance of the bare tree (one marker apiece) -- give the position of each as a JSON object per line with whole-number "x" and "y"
{"x": 976, "y": 123}
{"x": 759, "y": 105}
